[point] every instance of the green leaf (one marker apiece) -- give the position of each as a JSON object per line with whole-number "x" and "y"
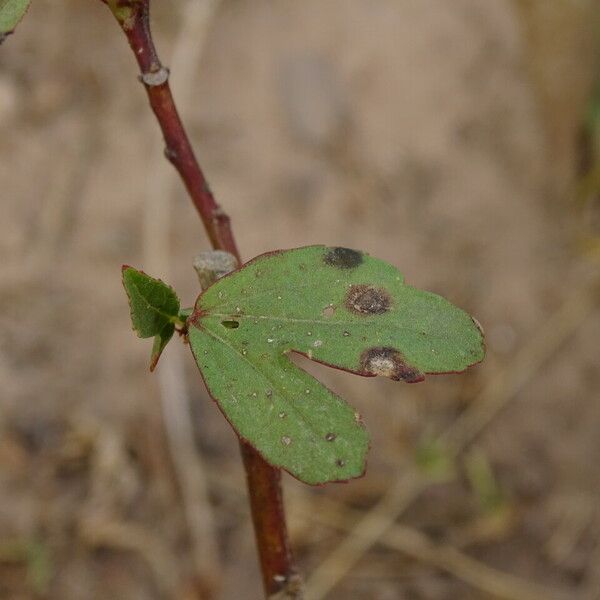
{"x": 154, "y": 309}
{"x": 336, "y": 306}
{"x": 11, "y": 12}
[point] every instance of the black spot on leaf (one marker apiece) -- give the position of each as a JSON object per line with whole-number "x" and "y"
{"x": 365, "y": 299}
{"x": 389, "y": 363}
{"x": 343, "y": 258}
{"x": 230, "y": 324}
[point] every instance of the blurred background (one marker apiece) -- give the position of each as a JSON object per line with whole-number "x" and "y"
{"x": 458, "y": 140}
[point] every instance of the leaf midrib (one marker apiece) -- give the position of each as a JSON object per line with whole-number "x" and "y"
{"x": 171, "y": 318}
{"x": 350, "y": 324}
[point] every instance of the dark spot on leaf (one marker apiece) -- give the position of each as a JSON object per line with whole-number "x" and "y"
{"x": 230, "y": 324}
{"x": 343, "y": 258}
{"x": 365, "y": 299}
{"x": 330, "y": 437}
{"x": 340, "y": 462}
{"x": 389, "y": 363}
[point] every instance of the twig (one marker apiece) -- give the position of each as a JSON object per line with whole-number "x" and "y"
{"x": 134, "y": 18}
{"x": 175, "y": 399}
{"x": 495, "y": 395}
{"x": 264, "y": 485}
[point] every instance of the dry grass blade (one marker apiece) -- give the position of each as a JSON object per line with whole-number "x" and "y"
{"x": 57, "y": 210}
{"x": 98, "y": 532}
{"x": 413, "y": 543}
{"x": 495, "y": 396}
{"x": 592, "y": 586}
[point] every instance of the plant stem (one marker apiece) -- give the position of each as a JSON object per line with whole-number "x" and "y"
{"x": 264, "y": 485}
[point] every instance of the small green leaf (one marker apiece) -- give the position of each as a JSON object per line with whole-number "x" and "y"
{"x": 11, "y": 12}
{"x": 154, "y": 309}
{"x": 336, "y": 306}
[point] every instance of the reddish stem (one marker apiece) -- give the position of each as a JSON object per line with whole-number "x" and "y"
{"x": 264, "y": 487}
{"x": 178, "y": 149}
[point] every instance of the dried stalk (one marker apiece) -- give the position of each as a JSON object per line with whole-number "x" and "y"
{"x": 264, "y": 487}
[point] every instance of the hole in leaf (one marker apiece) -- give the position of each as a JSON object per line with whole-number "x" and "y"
{"x": 230, "y": 324}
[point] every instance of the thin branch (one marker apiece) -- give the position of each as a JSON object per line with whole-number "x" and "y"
{"x": 264, "y": 487}
{"x": 135, "y": 22}
{"x": 175, "y": 400}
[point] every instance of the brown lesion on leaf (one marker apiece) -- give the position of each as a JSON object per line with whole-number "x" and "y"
{"x": 343, "y": 258}
{"x": 388, "y": 362}
{"x": 364, "y": 299}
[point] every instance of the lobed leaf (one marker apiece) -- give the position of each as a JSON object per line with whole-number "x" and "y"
{"x": 11, "y": 12}
{"x": 336, "y": 306}
{"x": 154, "y": 309}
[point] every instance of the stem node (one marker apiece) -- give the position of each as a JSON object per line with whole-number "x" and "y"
{"x": 155, "y": 78}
